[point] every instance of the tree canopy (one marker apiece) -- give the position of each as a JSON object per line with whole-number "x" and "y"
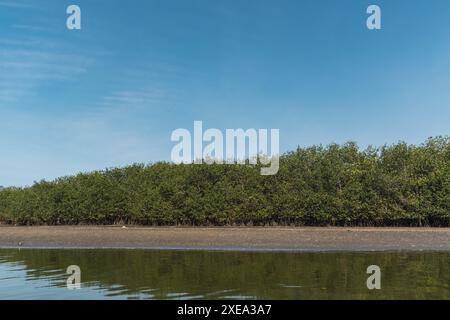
{"x": 396, "y": 185}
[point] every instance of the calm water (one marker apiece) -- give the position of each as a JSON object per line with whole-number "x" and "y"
{"x": 147, "y": 274}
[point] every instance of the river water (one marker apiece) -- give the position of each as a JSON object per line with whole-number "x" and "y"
{"x": 176, "y": 274}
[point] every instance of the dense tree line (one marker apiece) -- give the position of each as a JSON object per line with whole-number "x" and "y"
{"x": 397, "y": 185}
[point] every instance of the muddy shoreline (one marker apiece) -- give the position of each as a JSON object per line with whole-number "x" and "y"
{"x": 308, "y": 239}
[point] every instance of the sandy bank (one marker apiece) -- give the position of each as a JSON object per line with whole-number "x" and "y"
{"x": 283, "y": 238}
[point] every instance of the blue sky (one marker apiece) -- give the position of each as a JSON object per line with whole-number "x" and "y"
{"x": 112, "y": 93}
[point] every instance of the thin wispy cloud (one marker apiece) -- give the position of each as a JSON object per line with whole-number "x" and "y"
{"x": 25, "y": 67}
{"x": 16, "y": 4}
{"x": 136, "y": 98}
{"x": 26, "y": 27}
{"x": 151, "y": 87}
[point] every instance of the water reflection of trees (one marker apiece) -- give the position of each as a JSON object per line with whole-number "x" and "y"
{"x": 259, "y": 275}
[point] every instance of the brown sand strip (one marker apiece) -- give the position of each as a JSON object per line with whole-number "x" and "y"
{"x": 273, "y": 238}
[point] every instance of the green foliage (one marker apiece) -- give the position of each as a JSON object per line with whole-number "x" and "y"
{"x": 335, "y": 185}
